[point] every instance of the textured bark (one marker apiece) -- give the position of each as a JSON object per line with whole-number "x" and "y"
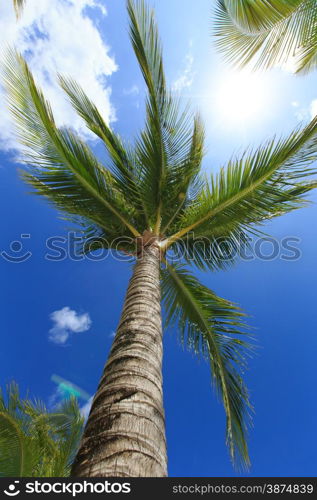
{"x": 125, "y": 431}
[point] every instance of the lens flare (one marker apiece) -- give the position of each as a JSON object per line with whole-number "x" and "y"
{"x": 67, "y": 389}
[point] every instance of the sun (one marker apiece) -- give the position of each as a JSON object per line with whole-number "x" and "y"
{"x": 241, "y": 97}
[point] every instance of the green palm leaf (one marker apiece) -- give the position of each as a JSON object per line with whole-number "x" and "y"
{"x": 123, "y": 165}
{"x": 164, "y": 149}
{"x": 62, "y": 167}
{"x": 262, "y": 184}
{"x": 214, "y": 327}
{"x": 68, "y": 423}
{"x": 267, "y": 33}
{"x": 151, "y": 150}
{"x": 215, "y": 252}
{"x": 254, "y": 15}
{"x": 12, "y": 446}
{"x": 35, "y": 442}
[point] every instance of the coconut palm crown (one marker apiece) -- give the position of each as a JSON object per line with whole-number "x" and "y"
{"x": 153, "y": 194}
{"x": 267, "y": 33}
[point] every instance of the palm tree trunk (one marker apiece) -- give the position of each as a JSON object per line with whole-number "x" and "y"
{"x": 125, "y": 432}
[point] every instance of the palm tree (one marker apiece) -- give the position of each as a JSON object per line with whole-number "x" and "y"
{"x": 149, "y": 200}
{"x": 263, "y": 33}
{"x": 35, "y": 442}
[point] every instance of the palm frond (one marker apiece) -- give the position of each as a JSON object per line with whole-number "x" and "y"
{"x": 12, "y": 447}
{"x": 147, "y": 47}
{"x": 164, "y": 150}
{"x": 215, "y": 252}
{"x": 265, "y": 34}
{"x": 61, "y": 166}
{"x": 263, "y": 183}
{"x": 122, "y": 166}
{"x": 35, "y": 442}
{"x": 90, "y": 237}
{"x": 68, "y": 423}
{"x": 183, "y": 181}
{"x": 214, "y": 327}
{"x": 254, "y": 16}
{"x": 306, "y": 59}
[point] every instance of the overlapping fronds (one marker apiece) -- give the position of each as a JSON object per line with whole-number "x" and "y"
{"x": 214, "y": 252}
{"x": 146, "y": 186}
{"x": 214, "y": 327}
{"x": 267, "y": 33}
{"x": 61, "y": 166}
{"x": 254, "y": 15}
{"x": 123, "y": 165}
{"x": 35, "y": 442}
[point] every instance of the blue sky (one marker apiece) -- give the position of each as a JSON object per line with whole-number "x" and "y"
{"x": 91, "y": 44}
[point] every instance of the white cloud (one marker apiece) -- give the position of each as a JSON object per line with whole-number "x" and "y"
{"x": 67, "y": 321}
{"x": 302, "y": 114}
{"x": 134, "y": 90}
{"x": 85, "y": 409}
{"x": 59, "y": 36}
{"x": 305, "y": 113}
{"x": 186, "y": 78}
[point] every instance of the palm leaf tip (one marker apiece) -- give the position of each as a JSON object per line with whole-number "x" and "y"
{"x": 18, "y": 7}
{"x": 147, "y": 46}
{"x": 215, "y": 328}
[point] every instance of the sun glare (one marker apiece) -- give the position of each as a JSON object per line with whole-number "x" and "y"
{"x": 241, "y": 97}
